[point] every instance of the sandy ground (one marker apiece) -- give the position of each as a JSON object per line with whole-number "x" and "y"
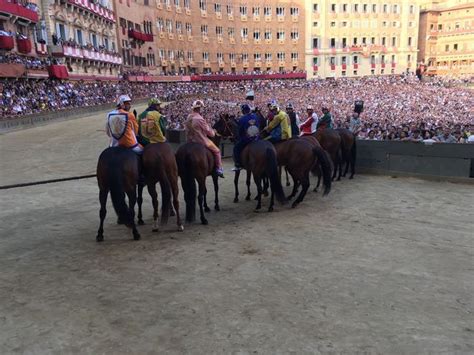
{"x": 381, "y": 265}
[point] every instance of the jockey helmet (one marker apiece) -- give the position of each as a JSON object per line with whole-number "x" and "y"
{"x": 154, "y": 101}
{"x": 273, "y": 105}
{"x": 289, "y": 106}
{"x": 198, "y": 104}
{"x": 122, "y": 99}
{"x": 245, "y": 108}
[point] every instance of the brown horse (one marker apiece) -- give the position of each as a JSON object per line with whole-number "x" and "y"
{"x": 259, "y": 158}
{"x": 348, "y": 151}
{"x": 117, "y": 172}
{"x": 159, "y": 165}
{"x": 330, "y": 140}
{"x": 195, "y": 163}
{"x": 299, "y": 156}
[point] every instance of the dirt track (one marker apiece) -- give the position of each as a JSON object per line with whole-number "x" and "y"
{"x": 381, "y": 265}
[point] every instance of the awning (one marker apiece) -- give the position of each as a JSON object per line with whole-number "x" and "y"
{"x": 144, "y": 37}
{"x": 23, "y": 45}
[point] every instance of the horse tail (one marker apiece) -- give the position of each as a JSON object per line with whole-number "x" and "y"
{"x": 325, "y": 167}
{"x": 117, "y": 193}
{"x": 271, "y": 169}
{"x": 165, "y": 198}
{"x": 189, "y": 187}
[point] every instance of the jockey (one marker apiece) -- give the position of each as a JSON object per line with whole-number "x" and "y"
{"x": 279, "y": 127}
{"x": 248, "y": 131}
{"x": 152, "y": 124}
{"x": 122, "y": 126}
{"x": 270, "y": 113}
{"x": 198, "y": 130}
{"x": 326, "y": 120}
{"x": 294, "y": 120}
{"x": 309, "y": 126}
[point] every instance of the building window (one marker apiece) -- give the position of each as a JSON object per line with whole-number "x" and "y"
{"x": 385, "y": 8}
{"x": 204, "y": 30}
{"x": 294, "y": 56}
{"x": 409, "y": 41}
{"x": 189, "y": 29}
{"x": 315, "y": 61}
{"x": 257, "y": 57}
{"x": 395, "y": 9}
{"x": 179, "y": 27}
{"x": 374, "y": 8}
{"x": 217, "y": 8}
{"x": 344, "y": 24}
{"x": 267, "y": 11}
{"x": 230, "y": 10}
{"x": 344, "y": 7}
{"x": 256, "y": 34}
{"x": 79, "y": 38}
{"x": 160, "y": 24}
{"x": 203, "y": 5}
{"x": 355, "y": 59}
{"x": 384, "y": 41}
{"x": 280, "y": 34}
{"x": 205, "y": 56}
{"x": 280, "y": 11}
{"x": 244, "y": 32}
{"x": 256, "y": 11}
{"x": 315, "y": 7}
{"x": 333, "y": 7}
{"x": 344, "y": 42}
{"x": 393, "y": 58}
{"x": 409, "y": 58}
{"x": 394, "y": 41}
{"x": 219, "y": 31}
{"x": 245, "y": 57}
{"x": 268, "y": 57}
{"x": 356, "y": 8}
{"x": 364, "y": 41}
{"x": 333, "y": 23}
{"x": 332, "y": 60}
{"x": 315, "y": 42}
{"x": 169, "y": 26}
{"x": 446, "y": 48}
{"x": 354, "y": 41}
{"x": 281, "y": 56}
{"x": 294, "y": 34}
{"x": 344, "y": 60}
{"x": 220, "y": 57}
{"x": 231, "y": 32}
{"x": 315, "y": 24}
{"x": 243, "y": 10}
{"x": 268, "y": 34}
{"x": 187, "y": 4}
{"x": 412, "y": 9}
{"x": 332, "y": 43}
{"x": 455, "y": 46}
{"x": 294, "y": 11}
{"x": 232, "y": 57}
{"x": 365, "y": 8}
{"x": 372, "y": 40}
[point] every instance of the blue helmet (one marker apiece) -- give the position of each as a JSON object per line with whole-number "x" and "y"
{"x": 245, "y": 108}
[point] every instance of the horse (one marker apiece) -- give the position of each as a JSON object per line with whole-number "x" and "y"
{"x": 260, "y": 159}
{"x": 195, "y": 163}
{"x": 227, "y": 127}
{"x": 330, "y": 140}
{"x": 159, "y": 165}
{"x": 316, "y": 169}
{"x": 348, "y": 151}
{"x": 299, "y": 156}
{"x": 118, "y": 172}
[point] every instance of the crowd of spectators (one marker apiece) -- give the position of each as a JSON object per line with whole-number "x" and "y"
{"x": 395, "y": 107}
{"x": 29, "y": 62}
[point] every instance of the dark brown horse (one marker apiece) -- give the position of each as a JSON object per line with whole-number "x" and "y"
{"x": 159, "y": 165}
{"x": 260, "y": 159}
{"x": 299, "y": 156}
{"x": 348, "y": 151}
{"x": 330, "y": 140}
{"x": 195, "y": 163}
{"x": 117, "y": 172}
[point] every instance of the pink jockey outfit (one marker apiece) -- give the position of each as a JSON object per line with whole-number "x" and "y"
{"x": 197, "y": 131}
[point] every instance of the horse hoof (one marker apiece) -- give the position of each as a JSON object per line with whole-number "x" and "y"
{"x": 141, "y": 222}
{"x": 217, "y": 208}
{"x": 247, "y": 198}
{"x": 172, "y": 214}
{"x": 294, "y": 205}
{"x": 265, "y": 193}
{"x": 257, "y": 210}
{"x": 207, "y": 209}
{"x": 236, "y": 200}
{"x": 288, "y": 184}
{"x": 315, "y": 190}
{"x": 204, "y": 221}
{"x": 119, "y": 221}
{"x": 270, "y": 209}
{"x": 155, "y": 230}
{"x": 136, "y": 236}
{"x": 180, "y": 228}
{"x": 351, "y": 177}
{"x": 99, "y": 238}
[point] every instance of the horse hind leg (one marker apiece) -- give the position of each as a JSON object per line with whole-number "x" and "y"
{"x": 175, "y": 191}
{"x": 206, "y": 207}
{"x": 258, "y": 182}
{"x": 132, "y": 199}
{"x": 154, "y": 202}
{"x": 140, "y": 202}
{"x": 304, "y": 189}
{"x": 247, "y": 182}
{"x": 201, "y": 199}
{"x": 103, "y": 212}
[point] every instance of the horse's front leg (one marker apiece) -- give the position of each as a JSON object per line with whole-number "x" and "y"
{"x": 236, "y": 186}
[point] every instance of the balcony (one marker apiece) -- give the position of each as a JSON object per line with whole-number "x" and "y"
{"x": 94, "y": 8}
{"x": 140, "y": 36}
{"x": 10, "y": 9}
{"x": 23, "y": 45}
{"x": 7, "y": 43}
{"x": 356, "y": 49}
{"x": 80, "y": 53}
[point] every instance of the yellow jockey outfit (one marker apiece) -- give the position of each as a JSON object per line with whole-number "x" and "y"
{"x": 152, "y": 124}
{"x": 198, "y": 131}
{"x": 279, "y": 128}
{"x": 122, "y": 126}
